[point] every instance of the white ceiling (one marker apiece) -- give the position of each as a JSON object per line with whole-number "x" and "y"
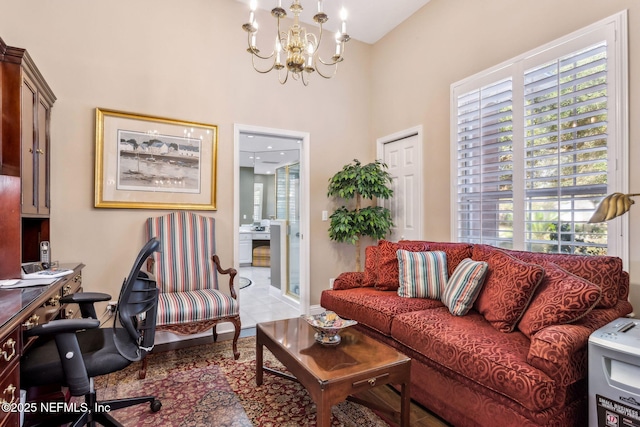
{"x": 265, "y": 153}
{"x": 367, "y": 20}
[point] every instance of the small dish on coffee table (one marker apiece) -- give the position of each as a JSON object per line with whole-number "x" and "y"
{"x": 327, "y": 326}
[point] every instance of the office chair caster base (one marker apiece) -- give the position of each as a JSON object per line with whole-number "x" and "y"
{"x": 155, "y": 405}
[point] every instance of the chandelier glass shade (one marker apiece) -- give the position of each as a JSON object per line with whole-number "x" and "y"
{"x": 296, "y": 51}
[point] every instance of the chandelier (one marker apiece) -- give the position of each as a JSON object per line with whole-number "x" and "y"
{"x": 296, "y": 51}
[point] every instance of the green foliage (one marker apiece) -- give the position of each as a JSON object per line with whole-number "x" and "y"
{"x": 368, "y": 181}
{"x": 347, "y": 226}
{"x": 353, "y": 182}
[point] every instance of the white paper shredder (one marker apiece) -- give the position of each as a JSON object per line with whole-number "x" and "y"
{"x": 614, "y": 375}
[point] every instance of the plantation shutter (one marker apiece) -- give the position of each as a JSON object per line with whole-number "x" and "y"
{"x": 565, "y": 149}
{"x": 485, "y": 164}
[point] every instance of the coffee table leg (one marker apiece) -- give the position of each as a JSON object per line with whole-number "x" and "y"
{"x": 405, "y": 408}
{"x": 323, "y": 414}
{"x": 259, "y": 349}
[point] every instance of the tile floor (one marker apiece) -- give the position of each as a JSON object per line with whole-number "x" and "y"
{"x": 258, "y": 302}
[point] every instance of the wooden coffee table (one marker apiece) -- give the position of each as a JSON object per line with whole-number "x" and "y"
{"x": 332, "y": 373}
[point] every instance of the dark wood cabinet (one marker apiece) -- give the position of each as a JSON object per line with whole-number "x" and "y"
{"x": 25, "y": 106}
{"x": 10, "y": 254}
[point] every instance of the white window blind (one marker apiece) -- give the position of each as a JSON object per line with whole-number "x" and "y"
{"x": 565, "y": 136}
{"x": 485, "y": 164}
{"x": 538, "y": 141}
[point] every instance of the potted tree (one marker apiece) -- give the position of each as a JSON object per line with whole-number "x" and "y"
{"x": 352, "y": 184}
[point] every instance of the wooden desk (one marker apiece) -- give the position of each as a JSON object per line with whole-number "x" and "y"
{"x": 21, "y": 309}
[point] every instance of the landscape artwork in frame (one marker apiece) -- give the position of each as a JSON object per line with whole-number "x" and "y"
{"x": 154, "y": 163}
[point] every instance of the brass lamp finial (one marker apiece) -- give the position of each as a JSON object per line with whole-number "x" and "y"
{"x": 612, "y": 206}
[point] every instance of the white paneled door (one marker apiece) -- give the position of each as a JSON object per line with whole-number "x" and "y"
{"x": 404, "y": 159}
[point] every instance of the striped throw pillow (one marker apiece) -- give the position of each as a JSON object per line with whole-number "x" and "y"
{"x": 422, "y": 274}
{"x": 464, "y": 285}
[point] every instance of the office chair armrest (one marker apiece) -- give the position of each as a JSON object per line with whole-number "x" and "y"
{"x": 61, "y": 326}
{"x": 230, "y": 271}
{"x": 84, "y": 297}
{"x": 86, "y": 300}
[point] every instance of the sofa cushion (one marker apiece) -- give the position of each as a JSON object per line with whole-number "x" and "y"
{"x": 464, "y": 285}
{"x": 508, "y": 288}
{"x": 561, "y": 298}
{"x": 604, "y": 271}
{"x": 422, "y": 274}
{"x": 373, "y": 307}
{"x": 470, "y": 346}
{"x": 370, "y": 266}
{"x": 387, "y": 276}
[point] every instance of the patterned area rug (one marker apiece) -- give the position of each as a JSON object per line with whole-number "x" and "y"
{"x": 204, "y": 386}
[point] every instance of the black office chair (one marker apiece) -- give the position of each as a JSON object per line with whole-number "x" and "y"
{"x": 71, "y": 352}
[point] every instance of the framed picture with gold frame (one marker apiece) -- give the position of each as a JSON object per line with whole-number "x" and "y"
{"x": 147, "y": 162}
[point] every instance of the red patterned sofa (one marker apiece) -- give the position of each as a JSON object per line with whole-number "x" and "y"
{"x": 517, "y": 357}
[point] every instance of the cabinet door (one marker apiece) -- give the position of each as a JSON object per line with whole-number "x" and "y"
{"x": 29, "y": 147}
{"x": 42, "y": 158}
{"x": 245, "y": 248}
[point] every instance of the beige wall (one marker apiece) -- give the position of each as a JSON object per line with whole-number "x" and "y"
{"x": 186, "y": 60}
{"x": 442, "y": 43}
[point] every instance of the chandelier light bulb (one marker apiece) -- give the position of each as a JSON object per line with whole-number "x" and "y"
{"x": 252, "y": 13}
{"x": 343, "y": 17}
{"x": 278, "y": 52}
{"x": 309, "y": 55}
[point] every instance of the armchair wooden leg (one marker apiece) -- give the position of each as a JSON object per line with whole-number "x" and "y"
{"x": 237, "y": 325}
{"x": 215, "y": 333}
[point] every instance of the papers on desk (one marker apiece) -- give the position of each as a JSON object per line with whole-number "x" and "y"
{"x": 45, "y": 274}
{"x": 17, "y": 283}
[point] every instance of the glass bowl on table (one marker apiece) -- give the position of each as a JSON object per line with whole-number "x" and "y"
{"x": 328, "y": 326}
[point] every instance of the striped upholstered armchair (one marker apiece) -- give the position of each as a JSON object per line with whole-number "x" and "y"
{"x": 186, "y": 270}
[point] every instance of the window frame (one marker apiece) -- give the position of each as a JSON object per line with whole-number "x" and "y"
{"x": 614, "y": 30}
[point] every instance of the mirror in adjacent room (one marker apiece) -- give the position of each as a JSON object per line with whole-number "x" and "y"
{"x": 257, "y": 202}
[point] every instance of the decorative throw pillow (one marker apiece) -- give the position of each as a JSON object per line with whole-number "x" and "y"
{"x": 370, "y": 266}
{"x": 561, "y": 298}
{"x": 422, "y": 274}
{"x": 602, "y": 270}
{"x": 508, "y": 289}
{"x": 348, "y": 280}
{"x": 387, "y": 279}
{"x": 464, "y": 285}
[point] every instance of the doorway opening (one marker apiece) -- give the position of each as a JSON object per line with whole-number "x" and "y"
{"x": 270, "y": 222}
